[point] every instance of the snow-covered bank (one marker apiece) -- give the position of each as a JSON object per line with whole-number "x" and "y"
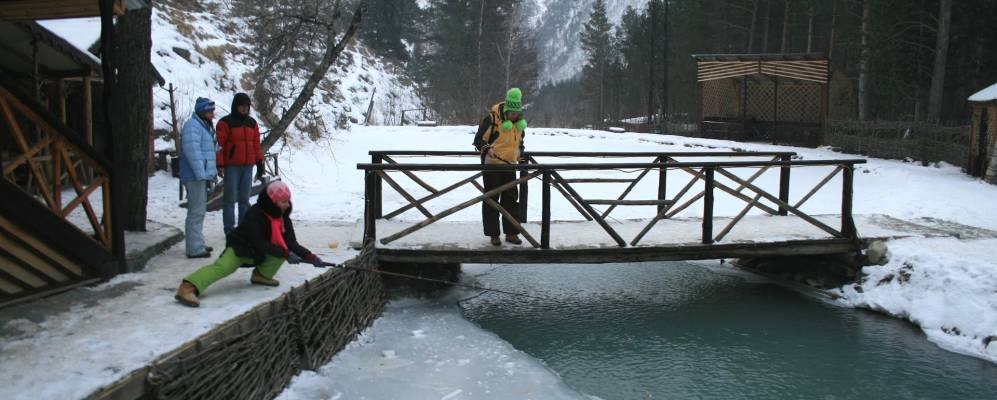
{"x": 946, "y": 286}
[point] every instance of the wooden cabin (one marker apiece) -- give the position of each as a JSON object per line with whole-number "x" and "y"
{"x": 56, "y": 225}
{"x": 983, "y": 135}
{"x": 774, "y": 98}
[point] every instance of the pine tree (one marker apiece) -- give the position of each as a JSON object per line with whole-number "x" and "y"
{"x": 598, "y": 47}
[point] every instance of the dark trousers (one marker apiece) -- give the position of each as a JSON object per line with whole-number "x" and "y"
{"x": 508, "y": 199}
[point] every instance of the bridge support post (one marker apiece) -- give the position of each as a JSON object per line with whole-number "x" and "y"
{"x": 847, "y": 183}
{"x": 524, "y": 197}
{"x": 784, "y": 184}
{"x": 374, "y": 194}
{"x": 545, "y": 218}
{"x": 662, "y": 183}
{"x": 370, "y": 218}
{"x": 708, "y": 206}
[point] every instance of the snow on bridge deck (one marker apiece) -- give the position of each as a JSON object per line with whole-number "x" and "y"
{"x": 674, "y": 239}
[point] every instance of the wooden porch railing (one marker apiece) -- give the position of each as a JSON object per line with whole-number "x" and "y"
{"x": 742, "y": 188}
{"x": 46, "y": 159}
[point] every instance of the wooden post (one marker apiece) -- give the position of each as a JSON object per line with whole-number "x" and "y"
{"x": 708, "y": 207}
{"x": 784, "y": 184}
{"x": 662, "y": 183}
{"x": 374, "y": 193}
{"x": 545, "y": 219}
{"x": 371, "y": 189}
{"x": 524, "y": 197}
{"x": 88, "y": 109}
{"x": 173, "y": 118}
{"x": 847, "y": 223}
{"x": 61, "y": 88}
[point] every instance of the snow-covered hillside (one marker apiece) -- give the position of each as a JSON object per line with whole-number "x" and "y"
{"x": 204, "y": 53}
{"x": 558, "y": 33}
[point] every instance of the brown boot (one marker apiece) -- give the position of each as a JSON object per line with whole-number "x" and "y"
{"x": 496, "y": 241}
{"x": 187, "y": 295}
{"x": 513, "y": 239}
{"x": 259, "y": 279}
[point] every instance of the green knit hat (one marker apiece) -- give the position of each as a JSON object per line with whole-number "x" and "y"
{"x": 514, "y": 100}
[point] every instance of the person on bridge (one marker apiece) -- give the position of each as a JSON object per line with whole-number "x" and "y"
{"x": 239, "y": 138}
{"x": 197, "y": 168}
{"x": 500, "y": 141}
{"x": 264, "y": 239}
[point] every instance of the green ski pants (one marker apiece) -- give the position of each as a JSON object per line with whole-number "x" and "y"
{"x": 228, "y": 263}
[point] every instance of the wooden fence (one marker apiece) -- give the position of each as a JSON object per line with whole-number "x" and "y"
{"x": 924, "y": 142}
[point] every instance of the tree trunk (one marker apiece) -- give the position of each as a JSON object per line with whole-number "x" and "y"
{"x": 751, "y": 29}
{"x": 785, "y": 27}
{"x": 941, "y": 59}
{"x": 332, "y": 52}
{"x": 653, "y": 54}
{"x": 131, "y": 112}
{"x": 834, "y": 24}
{"x": 864, "y": 62}
{"x": 665, "y": 59}
{"x": 481, "y": 79}
{"x": 768, "y": 26}
{"x": 810, "y": 29}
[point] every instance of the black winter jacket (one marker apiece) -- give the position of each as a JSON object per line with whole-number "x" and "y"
{"x": 252, "y": 237}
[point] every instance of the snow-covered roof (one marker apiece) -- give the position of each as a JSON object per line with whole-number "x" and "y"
{"x": 985, "y": 95}
{"x": 79, "y": 32}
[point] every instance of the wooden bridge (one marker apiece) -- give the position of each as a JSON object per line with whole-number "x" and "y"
{"x": 779, "y": 226}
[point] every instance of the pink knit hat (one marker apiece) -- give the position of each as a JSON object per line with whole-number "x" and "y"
{"x": 278, "y": 191}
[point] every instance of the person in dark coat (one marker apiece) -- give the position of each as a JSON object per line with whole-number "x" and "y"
{"x": 264, "y": 239}
{"x": 239, "y": 140}
{"x": 500, "y": 141}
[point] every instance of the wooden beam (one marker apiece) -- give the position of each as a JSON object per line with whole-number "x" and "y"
{"x": 423, "y": 200}
{"x": 452, "y": 210}
{"x": 687, "y": 251}
{"x": 401, "y": 191}
{"x": 25, "y": 10}
{"x": 35, "y": 168}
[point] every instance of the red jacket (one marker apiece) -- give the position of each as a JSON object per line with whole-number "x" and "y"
{"x": 239, "y": 139}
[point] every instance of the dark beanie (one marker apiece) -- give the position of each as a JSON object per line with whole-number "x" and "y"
{"x": 241, "y": 99}
{"x": 203, "y": 105}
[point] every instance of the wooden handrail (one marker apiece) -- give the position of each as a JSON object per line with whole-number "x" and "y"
{"x": 607, "y": 166}
{"x": 705, "y": 171}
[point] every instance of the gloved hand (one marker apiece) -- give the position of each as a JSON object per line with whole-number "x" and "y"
{"x": 315, "y": 260}
{"x": 293, "y": 258}
{"x": 260, "y": 171}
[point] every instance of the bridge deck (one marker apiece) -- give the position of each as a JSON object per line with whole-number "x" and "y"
{"x": 676, "y": 239}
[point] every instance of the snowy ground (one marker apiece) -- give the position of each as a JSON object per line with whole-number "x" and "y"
{"x": 944, "y": 285}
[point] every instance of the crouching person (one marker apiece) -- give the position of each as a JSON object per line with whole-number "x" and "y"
{"x": 264, "y": 239}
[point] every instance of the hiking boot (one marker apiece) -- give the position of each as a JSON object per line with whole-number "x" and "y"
{"x": 203, "y": 254}
{"x": 187, "y": 295}
{"x": 496, "y": 241}
{"x": 513, "y": 239}
{"x": 208, "y": 249}
{"x": 259, "y": 279}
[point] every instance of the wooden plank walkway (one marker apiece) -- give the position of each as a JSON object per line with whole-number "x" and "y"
{"x": 675, "y": 239}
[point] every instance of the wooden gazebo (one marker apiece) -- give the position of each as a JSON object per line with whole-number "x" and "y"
{"x": 778, "y": 98}
{"x": 983, "y": 136}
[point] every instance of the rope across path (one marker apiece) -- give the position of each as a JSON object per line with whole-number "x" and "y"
{"x": 445, "y": 282}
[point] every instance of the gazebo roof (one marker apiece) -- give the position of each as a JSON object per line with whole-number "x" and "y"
{"x": 986, "y": 95}
{"x": 760, "y": 57}
{"x": 809, "y": 67}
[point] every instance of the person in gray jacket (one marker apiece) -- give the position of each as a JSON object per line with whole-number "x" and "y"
{"x": 197, "y": 168}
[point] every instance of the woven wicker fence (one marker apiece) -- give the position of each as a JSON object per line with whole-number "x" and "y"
{"x": 255, "y": 357}
{"x": 920, "y": 141}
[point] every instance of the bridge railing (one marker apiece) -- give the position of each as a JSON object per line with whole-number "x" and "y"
{"x": 705, "y": 171}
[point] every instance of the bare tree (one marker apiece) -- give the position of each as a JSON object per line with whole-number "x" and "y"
{"x": 288, "y": 34}
{"x": 864, "y": 60}
{"x": 941, "y": 59}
